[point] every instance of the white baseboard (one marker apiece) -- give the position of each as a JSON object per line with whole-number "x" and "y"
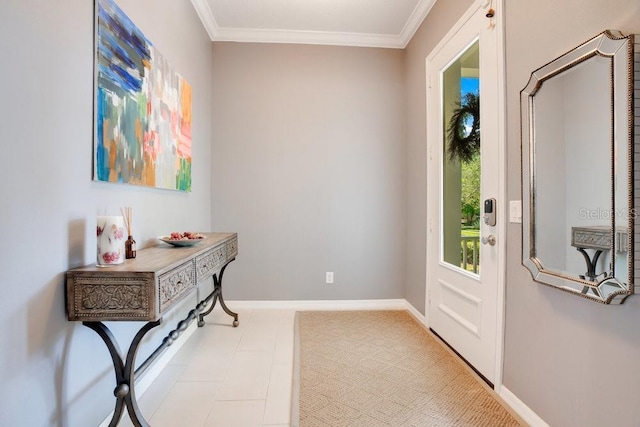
{"x": 530, "y": 417}
{"x": 374, "y": 304}
{"x": 149, "y": 376}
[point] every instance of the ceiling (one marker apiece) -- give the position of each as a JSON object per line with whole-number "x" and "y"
{"x": 370, "y": 23}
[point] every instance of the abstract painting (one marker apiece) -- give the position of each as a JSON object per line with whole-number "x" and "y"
{"x": 142, "y": 108}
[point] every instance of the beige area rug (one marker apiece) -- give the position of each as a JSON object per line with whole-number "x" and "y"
{"x": 382, "y": 368}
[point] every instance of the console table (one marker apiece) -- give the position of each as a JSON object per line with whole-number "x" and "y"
{"x": 144, "y": 289}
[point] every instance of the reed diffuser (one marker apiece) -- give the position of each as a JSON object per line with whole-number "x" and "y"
{"x": 129, "y": 244}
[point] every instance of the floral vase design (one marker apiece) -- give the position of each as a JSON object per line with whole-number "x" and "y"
{"x": 110, "y": 240}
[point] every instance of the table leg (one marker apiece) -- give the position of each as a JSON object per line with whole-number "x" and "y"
{"x": 125, "y": 374}
{"x": 217, "y": 295}
{"x": 591, "y": 263}
{"x": 591, "y": 270}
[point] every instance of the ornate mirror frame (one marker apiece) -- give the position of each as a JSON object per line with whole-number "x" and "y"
{"x": 604, "y": 288}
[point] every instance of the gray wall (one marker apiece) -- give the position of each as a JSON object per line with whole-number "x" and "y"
{"x": 309, "y": 169}
{"x": 572, "y": 361}
{"x": 442, "y": 17}
{"x": 54, "y": 372}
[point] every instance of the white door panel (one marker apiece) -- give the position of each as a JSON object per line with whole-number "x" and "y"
{"x": 463, "y": 275}
{"x": 461, "y": 306}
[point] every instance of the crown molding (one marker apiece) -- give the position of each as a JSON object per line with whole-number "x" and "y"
{"x": 255, "y": 35}
{"x": 206, "y": 16}
{"x": 307, "y": 37}
{"x": 420, "y": 12}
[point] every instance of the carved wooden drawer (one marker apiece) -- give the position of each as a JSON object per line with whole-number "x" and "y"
{"x": 95, "y": 297}
{"x": 232, "y": 248}
{"x": 210, "y": 262}
{"x": 175, "y": 284}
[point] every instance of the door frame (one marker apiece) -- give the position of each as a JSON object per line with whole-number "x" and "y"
{"x": 502, "y": 208}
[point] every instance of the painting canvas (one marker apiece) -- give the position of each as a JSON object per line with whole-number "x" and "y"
{"x": 143, "y": 108}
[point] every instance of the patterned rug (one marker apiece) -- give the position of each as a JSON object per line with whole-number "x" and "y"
{"x": 382, "y": 368}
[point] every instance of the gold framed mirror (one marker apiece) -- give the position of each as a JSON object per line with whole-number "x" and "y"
{"x": 578, "y": 178}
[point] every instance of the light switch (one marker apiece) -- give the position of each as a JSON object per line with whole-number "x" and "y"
{"x": 515, "y": 211}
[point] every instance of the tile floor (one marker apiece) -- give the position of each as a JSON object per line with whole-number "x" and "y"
{"x": 226, "y": 376}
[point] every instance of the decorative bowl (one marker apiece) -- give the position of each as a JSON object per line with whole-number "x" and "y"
{"x": 180, "y": 242}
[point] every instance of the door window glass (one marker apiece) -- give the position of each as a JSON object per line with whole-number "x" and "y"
{"x": 461, "y": 162}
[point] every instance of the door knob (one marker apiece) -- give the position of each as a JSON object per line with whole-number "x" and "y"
{"x": 490, "y": 239}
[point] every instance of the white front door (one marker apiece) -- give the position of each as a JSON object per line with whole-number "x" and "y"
{"x": 465, "y": 169}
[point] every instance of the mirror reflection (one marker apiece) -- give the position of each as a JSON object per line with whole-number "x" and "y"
{"x": 576, "y": 174}
{"x": 573, "y": 177}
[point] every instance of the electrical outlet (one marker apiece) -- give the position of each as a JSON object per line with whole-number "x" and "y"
{"x": 329, "y": 277}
